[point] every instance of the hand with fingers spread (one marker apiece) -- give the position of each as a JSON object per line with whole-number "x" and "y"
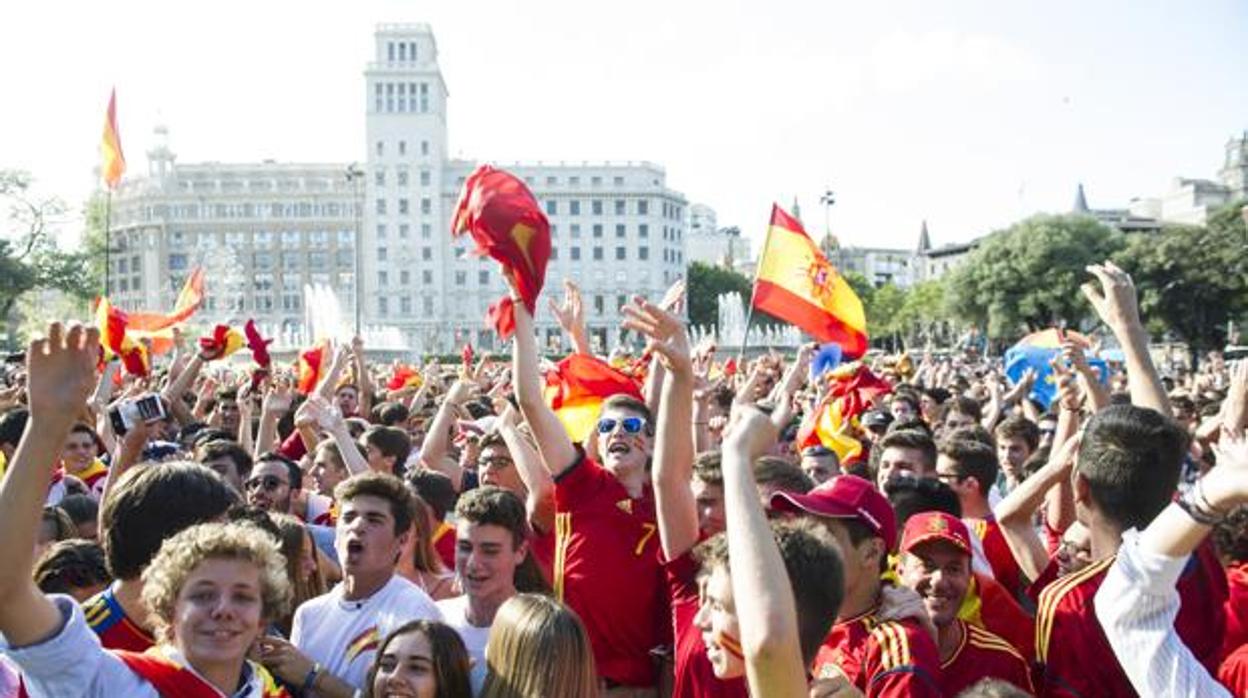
{"x": 278, "y": 396}
{"x": 665, "y": 333}
{"x": 61, "y": 371}
{"x": 1115, "y": 300}
{"x": 320, "y": 412}
{"x": 674, "y": 297}
{"x": 571, "y": 316}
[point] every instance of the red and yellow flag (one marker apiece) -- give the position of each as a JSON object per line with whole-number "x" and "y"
{"x": 309, "y": 365}
{"x": 404, "y": 376}
{"x": 115, "y": 338}
{"x": 578, "y": 385}
{"x": 834, "y": 423}
{"x": 223, "y": 341}
{"x": 797, "y": 284}
{"x": 189, "y": 299}
{"x": 506, "y": 222}
{"x": 113, "y": 163}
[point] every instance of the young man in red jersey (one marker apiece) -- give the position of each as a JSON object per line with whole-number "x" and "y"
{"x": 970, "y": 468}
{"x": 607, "y": 561}
{"x": 881, "y": 658}
{"x": 1125, "y": 473}
{"x": 936, "y": 563}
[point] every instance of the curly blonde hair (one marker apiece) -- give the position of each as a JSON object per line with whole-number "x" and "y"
{"x": 181, "y": 554}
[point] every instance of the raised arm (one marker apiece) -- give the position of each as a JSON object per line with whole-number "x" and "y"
{"x": 1115, "y": 303}
{"x": 571, "y": 317}
{"x": 328, "y": 418}
{"x": 277, "y": 400}
{"x": 363, "y": 383}
{"x": 540, "y": 502}
{"x": 437, "y": 438}
{"x": 786, "y": 389}
{"x": 328, "y": 384}
{"x": 766, "y": 610}
{"x": 60, "y": 375}
{"x": 673, "y": 447}
{"x": 553, "y": 442}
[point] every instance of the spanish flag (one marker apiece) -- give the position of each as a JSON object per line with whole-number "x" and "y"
{"x": 578, "y": 385}
{"x": 189, "y": 299}
{"x": 112, "y": 323}
{"x": 113, "y": 164}
{"x": 404, "y": 376}
{"x": 797, "y": 284}
{"x": 834, "y": 423}
{"x": 222, "y": 342}
{"x": 309, "y": 365}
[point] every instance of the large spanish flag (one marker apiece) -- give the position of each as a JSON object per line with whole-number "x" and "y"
{"x": 578, "y": 385}
{"x": 113, "y": 163}
{"x": 797, "y": 284}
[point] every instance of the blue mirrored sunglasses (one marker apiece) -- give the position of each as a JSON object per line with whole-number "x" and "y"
{"x": 632, "y": 425}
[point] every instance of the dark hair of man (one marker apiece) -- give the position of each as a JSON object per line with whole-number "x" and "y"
{"x": 495, "y": 506}
{"x": 294, "y": 474}
{"x": 255, "y": 516}
{"x": 816, "y": 575}
{"x": 383, "y": 486}
{"x": 390, "y": 442}
{"x": 390, "y": 414}
{"x": 71, "y": 564}
{"x": 12, "y": 424}
{"x": 80, "y": 428}
{"x": 152, "y": 502}
{"x": 492, "y": 439}
{"x": 707, "y": 467}
{"x": 65, "y": 528}
{"x": 910, "y": 495}
{"x": 781, "y": 474}
{"x": 222, "y": 448}
{"x": 962, "y": 405}
{"x": 477, "y": 409}
{"x": 81, "y": 508}
{"x": 451, "y": 664}
{"x": 915, "y": 424}
{"x": 723, "y": 396}
{"x": 628, "y": 403}
{"x": 912, "y": 439}
{"x": 435, "y": 488}
{"x": 1016, "y": 426}
{"x": 1130, "y": 458}
{"x": 972, "y": 459}
{"x": 227, "y": 395}
{"x": 1231, "y": 536}
{"x": 975, "y": 432}
{"x": 210, "y": 434}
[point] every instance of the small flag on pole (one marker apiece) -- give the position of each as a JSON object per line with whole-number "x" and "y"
{"x": 113, "y": 163}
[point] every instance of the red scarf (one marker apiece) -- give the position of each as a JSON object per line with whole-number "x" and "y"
{"x": 172, "y": 680}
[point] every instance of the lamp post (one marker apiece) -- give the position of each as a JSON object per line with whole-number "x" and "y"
{"x": 355, "y": 175}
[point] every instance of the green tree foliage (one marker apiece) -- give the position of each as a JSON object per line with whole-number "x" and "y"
{"x": 704, "y": 284}
{"x": 1027, "y": 276}
{"x": 1192, "y": 279}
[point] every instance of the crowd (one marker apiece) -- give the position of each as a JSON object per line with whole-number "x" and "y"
{"x": 195, "y": 533}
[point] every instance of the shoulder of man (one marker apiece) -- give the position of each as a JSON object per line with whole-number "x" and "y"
{"x": 901, "y": 659}
{"x": 1068, "y": 602}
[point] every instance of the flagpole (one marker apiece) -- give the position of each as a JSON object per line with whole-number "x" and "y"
{"x": 108, "y": 245}
{"x": 749, "y": 314}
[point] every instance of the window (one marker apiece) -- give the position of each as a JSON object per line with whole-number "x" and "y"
{"x": 403, "y": 98}
{"x": 405, "y": 277}
{"x": 424, "y": 147}
{"x": 426, "y": 205}
{"x": 389, "y": 97}
{"x": 483, "y": 277}
{"x": 377, "y": 100}
{"x": 381, "y": 254}
{"x": 424, "y": 178}
{"x": 574, "y": 181}
{"x": 383, "y": 306}
{"x": 402, "y": 178}
{"x": 404, "y": 229}
{"x": 599, "y": 304}
{"x": 643, "y": 207}
{"x": 643, "y": 231}
{"x": 424, "y": 97}
{"x": 552, "y": 207}
{"x": 380, "y": 178}
{"x": 426, "y": 277}
{"x": 576, "y": 254}
{"x": 595, "y": 207}
{"x": 318, "y": 261}
{"x": 576, "y": 230}
{"x": 426, "y": 303}
{"x": 619, "y": 230}
{"x": 123, "y": 266}
{"x": 620, "y": 253}
{"x": 260, "y": 260}
{"x": 426, "y": 231}
{"x": 618, "y": 181}
{"x": 620, "y": 207}
{"x": 290, "y": 261}
{"x": 426, "y": 253}
{"x": 597, "y": 230}
{"x": 643, "y": 253}
{"x": 461, "y": 278}
{"x": 554, "y": 254}
{"x": 402, "y": 207}
{"x": 383, "y": 278}
{"x": 381, "y": 145}
{"x": 402, "y": 147}
{"x": 551, "y": 181}
{"x": 598, "y": 254}
{"x": 390, "y": 51}
{"x": 381, "y": 207}
{"x": 574, "y": 207}
{"x": 405, "y": 305}
{"x": 621, "y": 276}
{"x": 402, "y": 51}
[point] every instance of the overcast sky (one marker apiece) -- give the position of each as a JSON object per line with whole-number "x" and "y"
{"x": 967, "y": 114}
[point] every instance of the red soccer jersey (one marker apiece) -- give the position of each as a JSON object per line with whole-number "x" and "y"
{"x": 1236, "y": 607}
{"x": 1004, "y": 567}
{"x": 1075, "y": 658}
{"x": 694, "y": 676}
{"x": 115, "y": 630}
{"x": 1234, "y": 672}
{"x": 989, "y": 606}
{"x": 608, "y": 569}
{"x": 882, "y": 658}
{"x": 982, "y": 655}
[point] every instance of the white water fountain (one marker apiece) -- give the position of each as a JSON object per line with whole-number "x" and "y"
{"x": 730, "y": 331}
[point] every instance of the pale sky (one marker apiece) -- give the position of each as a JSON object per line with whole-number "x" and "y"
{"x": 967, "y": 114}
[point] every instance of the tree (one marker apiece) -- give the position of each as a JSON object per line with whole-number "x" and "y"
{"x": 1192, "y": 279}
{"x": 924, "y": 315}
{"x": 705, "y": 283}
{"x": 1027, "y": 276}
{"x": 883, "y": 312}
{"x": 29, "y": 256}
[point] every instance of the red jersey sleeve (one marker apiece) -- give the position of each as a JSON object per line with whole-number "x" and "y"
{"x": 1001, "y": 615}
{"x": 1234, "y": 672}
{"x": 901, "y": 660}
{"x": 293, "y": 447}
{"x": 1236, "y": 607}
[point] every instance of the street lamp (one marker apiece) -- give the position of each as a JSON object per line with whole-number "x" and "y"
{"x": 355, "y": 175}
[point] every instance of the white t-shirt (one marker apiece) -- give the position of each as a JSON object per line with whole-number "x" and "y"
{"x": 455, "y": 614}
{"x": 344, "y": 635}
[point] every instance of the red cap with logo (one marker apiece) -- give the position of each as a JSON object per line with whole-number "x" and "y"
{"x": 844, "y": 497}
{"x": 928, "y": 526}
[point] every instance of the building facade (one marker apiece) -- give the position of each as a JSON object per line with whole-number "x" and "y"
{"x": 264, "y": 230}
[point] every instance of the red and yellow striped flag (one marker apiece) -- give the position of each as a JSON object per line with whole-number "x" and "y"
{"x": 113, "y": 163}
{"x": 797, "y": 284}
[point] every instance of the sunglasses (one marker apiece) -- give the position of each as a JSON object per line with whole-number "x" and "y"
{"x": 495, "y": 463}
{"x": 632, "y": 425}
{"x": 268, "y": 483}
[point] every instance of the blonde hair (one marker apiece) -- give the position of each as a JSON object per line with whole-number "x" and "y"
{"x": 181, "y": 554}
{"x": 538, "y": 648}
{"x": 294, "y": 536}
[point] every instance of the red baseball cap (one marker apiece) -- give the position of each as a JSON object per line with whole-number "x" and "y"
{"x": 844, "y": 497}
{"x": 929, "y": 526}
